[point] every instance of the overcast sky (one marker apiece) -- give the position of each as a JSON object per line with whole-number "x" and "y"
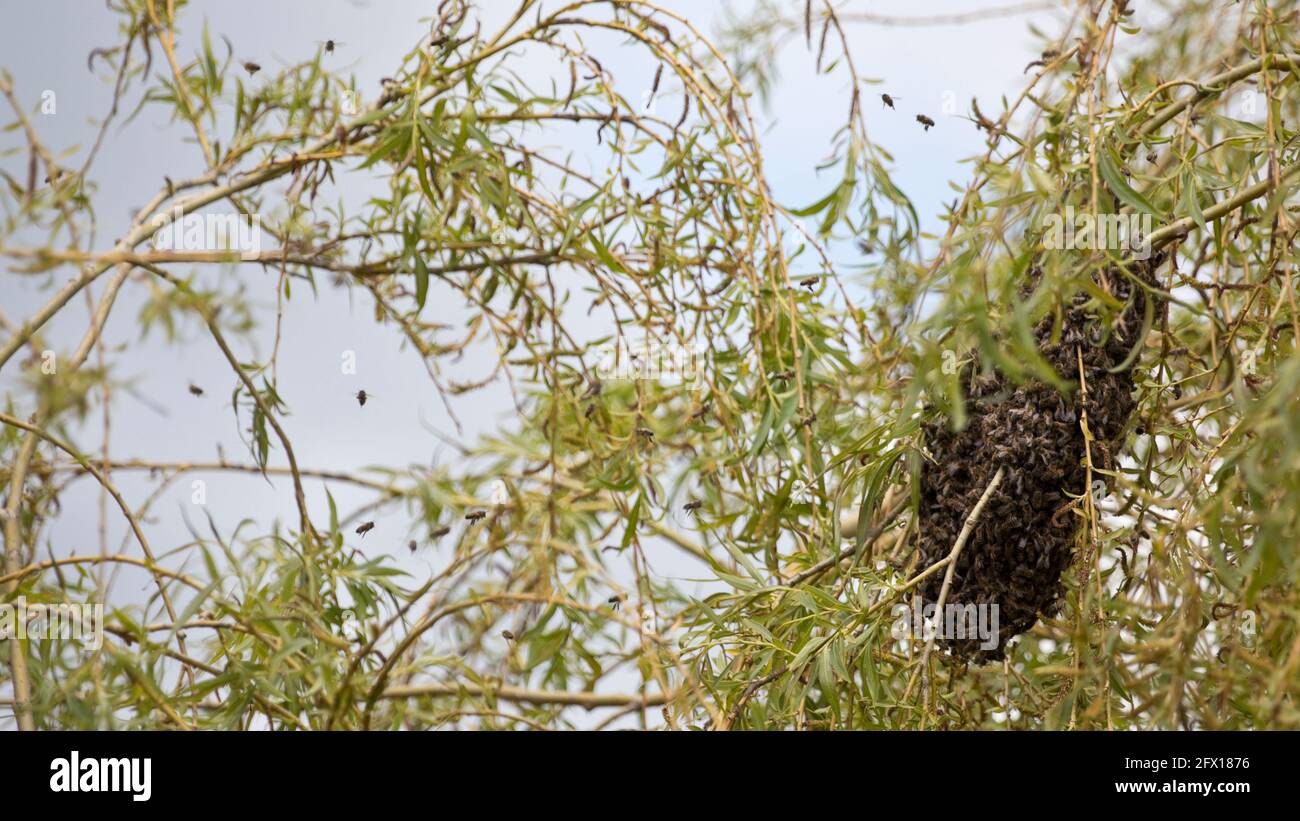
{"x": 45, "y": 45}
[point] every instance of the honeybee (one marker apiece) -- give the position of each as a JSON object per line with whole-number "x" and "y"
{"x": 925, "y": 121}
{"x": 361, "y": 398}
{"x": 251, "y": 67}
{"x": 195, "y": 389}
{"x": 330, "y": 45}
{"x": 887, "y": 100}
{"x": 692, "y": 506}
{"x": 364, "y": 528}
{"x": 440, "y": 532}
{"x": 475, "y": 516}
{"x": 615, "y": 601}
{"x": 507, "y": 635}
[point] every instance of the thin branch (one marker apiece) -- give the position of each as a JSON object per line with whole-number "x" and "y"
{"x": 589, "y": 701}
{"x": 947, "y": 580}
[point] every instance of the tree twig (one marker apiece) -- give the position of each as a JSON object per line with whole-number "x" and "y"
{"x": 947, "y": 580}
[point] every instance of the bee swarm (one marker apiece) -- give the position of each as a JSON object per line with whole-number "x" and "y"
{"x": 1023, "y": 541}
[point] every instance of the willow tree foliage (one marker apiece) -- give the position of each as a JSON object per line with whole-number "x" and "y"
{"x": 785, "y": 462}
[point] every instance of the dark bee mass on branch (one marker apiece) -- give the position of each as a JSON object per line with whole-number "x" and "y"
{"x": 1024, "y": 539}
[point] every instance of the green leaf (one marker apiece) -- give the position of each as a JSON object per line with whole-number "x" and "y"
{"x": 760, "y": 437}
{"x": 605, "y": 256}
{"x": 633, "y": 519}
{"x": 1108, "y": 165}
{"x": 421, "y": 280}
{"x": 1191, "y": 206}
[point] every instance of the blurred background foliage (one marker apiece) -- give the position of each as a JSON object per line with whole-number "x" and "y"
{"x": 786, "y": 471}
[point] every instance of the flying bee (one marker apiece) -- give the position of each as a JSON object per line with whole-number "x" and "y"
{"x": 364, "y": 528}
{"x": 646, "y": 433}
{"x": 783, "y": 376}
{"x": 1152, "y": 157}
{"x": 702, "y": 412}
{"x": 925, "y": 121}
{"x": 865, "y": 246}
{"x": 887, "y": 100}
{"x": 440, "y": 532}
{"x": 475, "y": 516}
{"x": 195, "y": 389}
{"x": 330, "y": 45}
{"x": 507, "y": 635}
{"x": 682, "y": 516}
{"x": 361, "y": 398}
{"x": 411, "y": 545}
{"x": 809, "y": 282}
{"x": 251, "y": 67}
{"x": 615, "y": 601}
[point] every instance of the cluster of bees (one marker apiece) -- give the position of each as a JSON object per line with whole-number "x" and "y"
{"x": 1022, "y": 542}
